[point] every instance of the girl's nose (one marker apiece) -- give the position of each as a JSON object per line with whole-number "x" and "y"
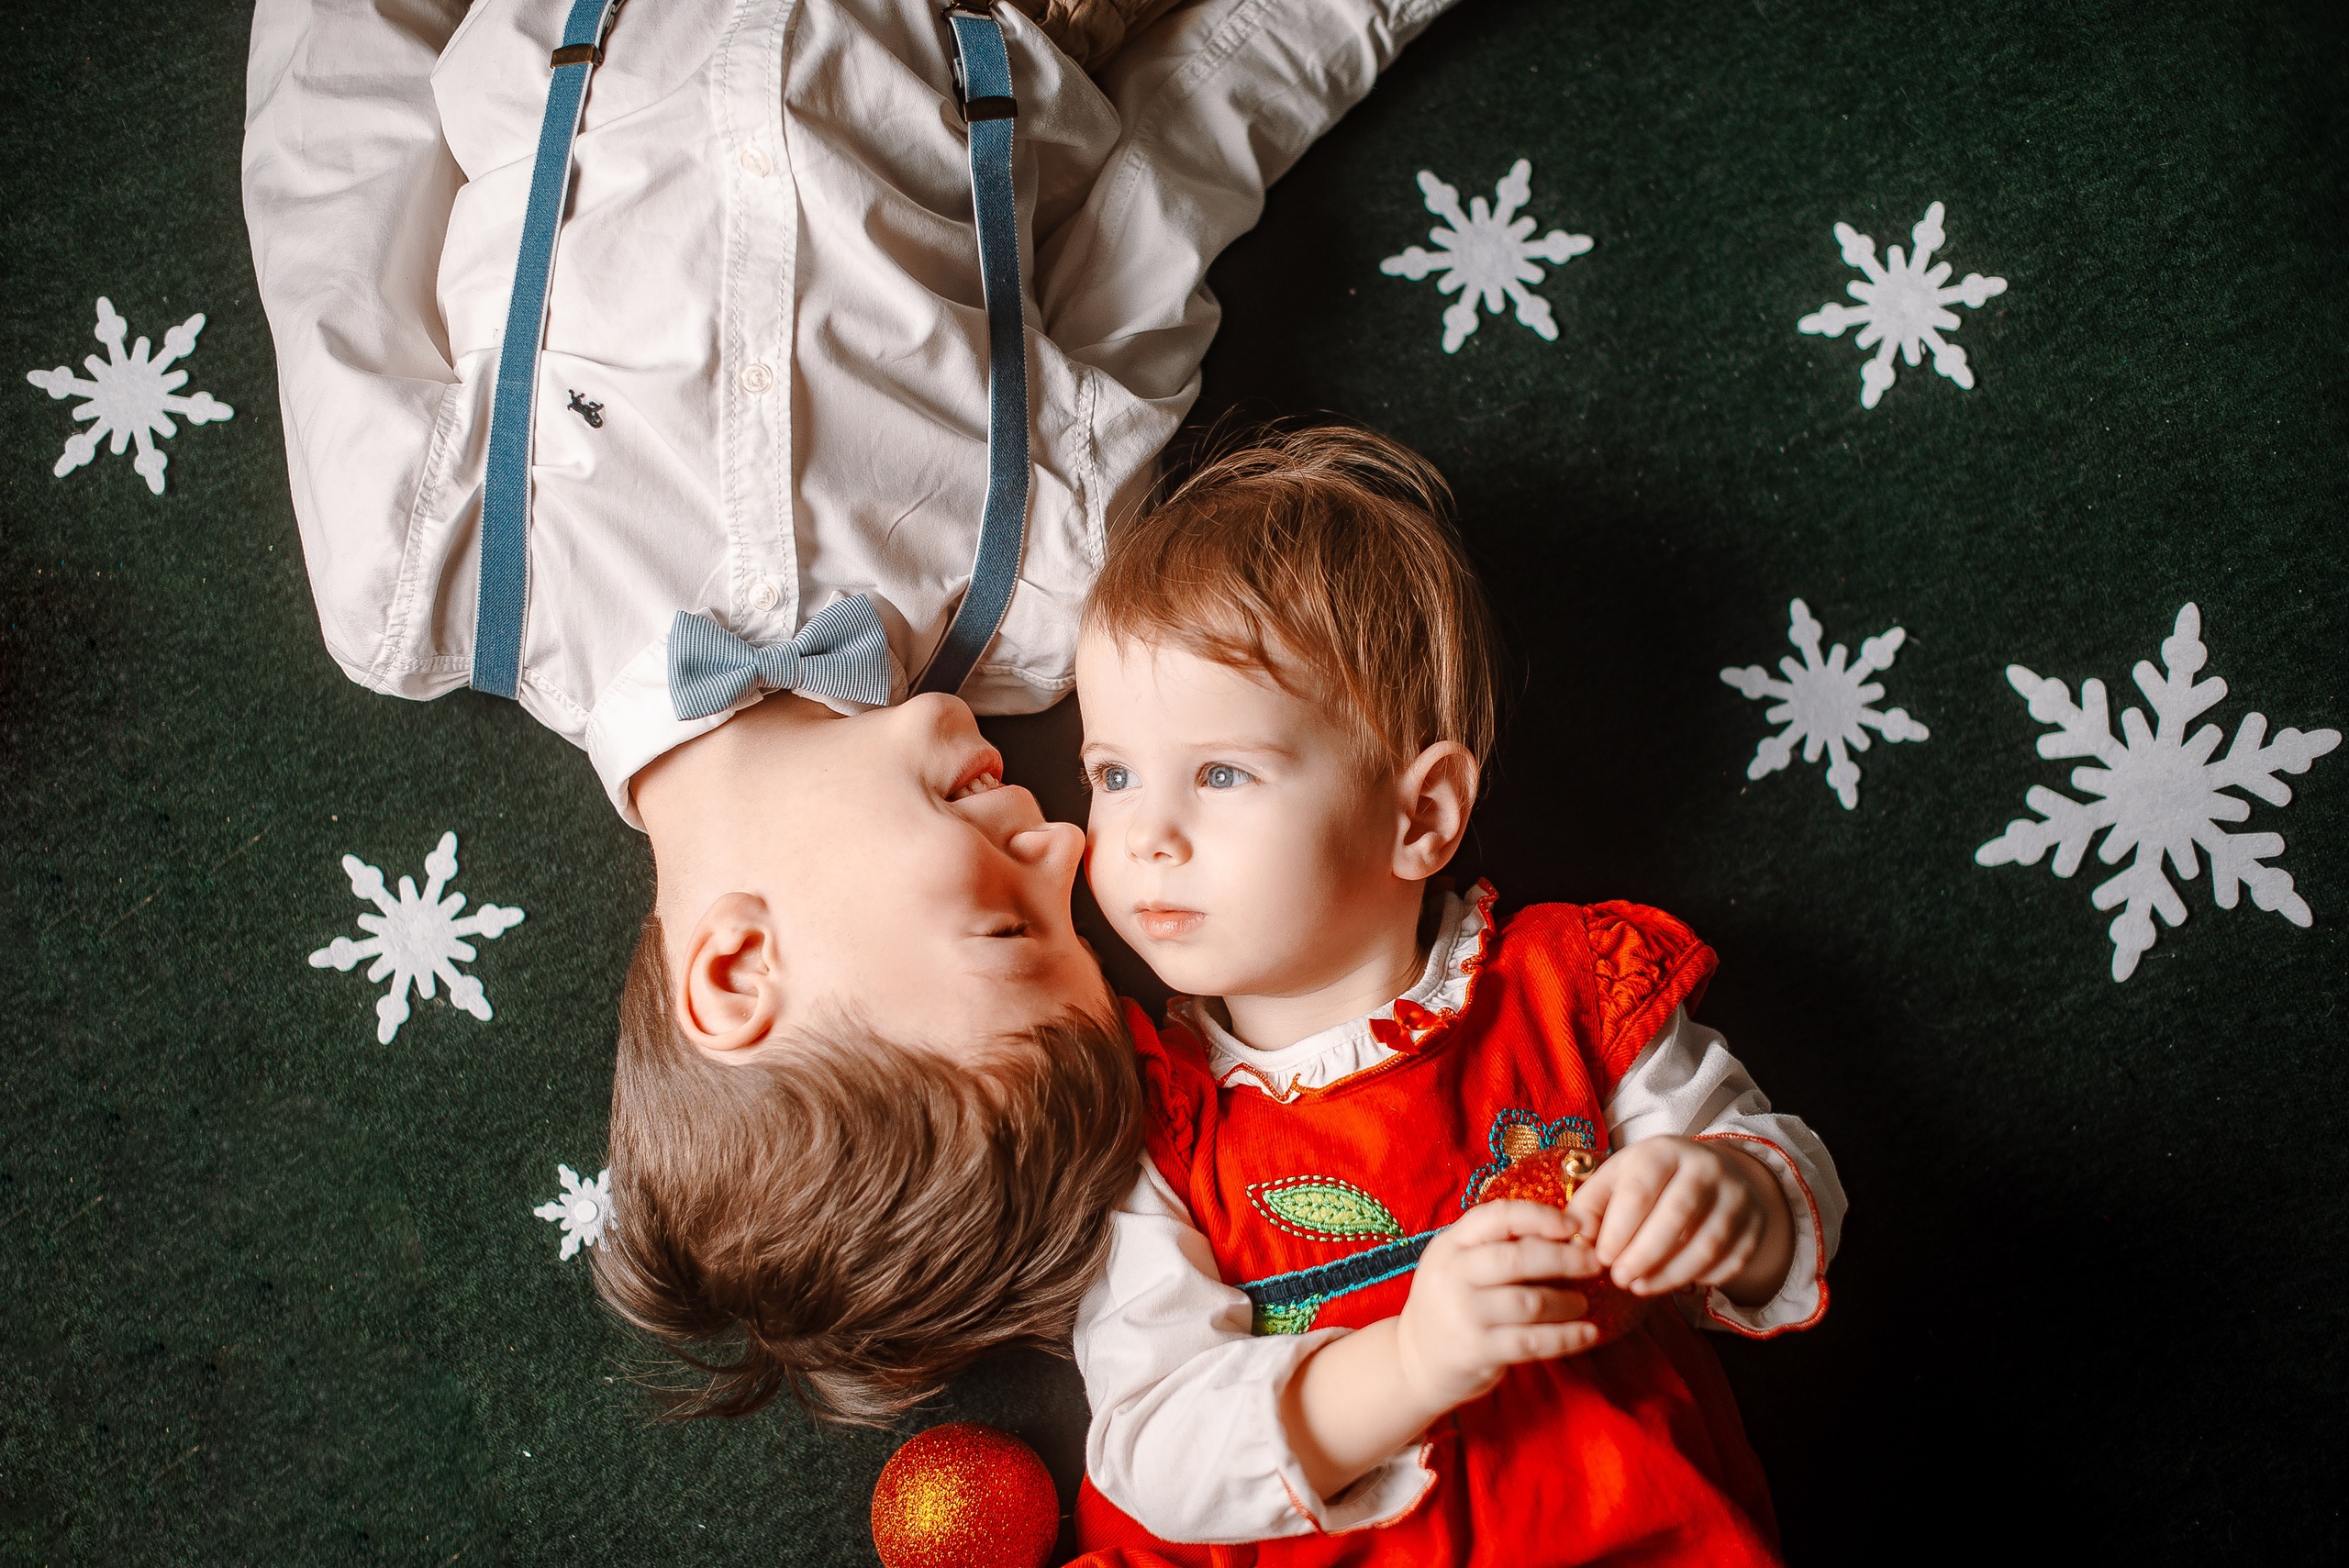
{"x": 1156, "y": 838}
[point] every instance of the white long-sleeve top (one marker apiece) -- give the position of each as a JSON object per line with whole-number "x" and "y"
{"x": 1186, "y": 1434}
{"x": 768, "y": 280}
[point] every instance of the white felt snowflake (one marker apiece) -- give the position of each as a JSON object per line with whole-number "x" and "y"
{"x": 2159, "y": 791}
{"x": 1487, "y": 255}
{"x": 581, "y": 1208}
{"x": 1825, "y": 704}
{"x": 1901, "y": 304}
{"x": 130, "y": 396}
{"x": 420, "y": 939}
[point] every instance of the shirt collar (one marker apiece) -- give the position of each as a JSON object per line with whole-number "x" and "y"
{"x": 1322, "y": 1059}
{"x": 634, "y": 721}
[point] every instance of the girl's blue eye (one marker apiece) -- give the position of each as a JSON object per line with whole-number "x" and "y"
{"x": 1115, "y": 778}
{"x": 1223, "y": 775}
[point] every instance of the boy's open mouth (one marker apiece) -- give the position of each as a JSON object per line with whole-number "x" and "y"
{"x": 1165, "y": 923}
{"x": 986, "y": 773}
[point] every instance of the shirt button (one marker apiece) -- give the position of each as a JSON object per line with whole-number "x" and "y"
{"x": 763, "y": 594}
{"x": 757, "y": 378}
{"x": 754, "y": 163}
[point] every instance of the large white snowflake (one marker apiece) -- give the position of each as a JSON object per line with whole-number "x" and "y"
{"x": 420, "y": 939}
{"x": 2159, "y": 793}
{"x": 130, "y": 396}
{"x": 580, "y": 1208}
{"x": 1487, "y": 254}
{"x": 1901, "y": 304}
{"x": 1825, "y": 704}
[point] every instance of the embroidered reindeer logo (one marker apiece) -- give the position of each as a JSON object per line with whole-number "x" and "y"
{"x": 591, "y": 412}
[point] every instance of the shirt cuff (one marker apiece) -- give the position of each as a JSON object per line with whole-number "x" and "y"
{"x": 1382, "y": 1495}
{"x": 1801, "y": 1300}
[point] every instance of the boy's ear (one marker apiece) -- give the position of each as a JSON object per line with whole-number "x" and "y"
{"x": 1436, "y": 793}
{"x": 730, "y": 988}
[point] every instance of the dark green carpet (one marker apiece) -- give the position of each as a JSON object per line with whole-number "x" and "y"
{"x": 273, "y": 1292}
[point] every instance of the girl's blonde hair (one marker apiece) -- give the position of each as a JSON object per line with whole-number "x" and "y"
{"x": 1326, "y": 559}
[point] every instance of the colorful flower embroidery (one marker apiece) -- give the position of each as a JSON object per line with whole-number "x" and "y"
{"x": 1518, "y": 1133}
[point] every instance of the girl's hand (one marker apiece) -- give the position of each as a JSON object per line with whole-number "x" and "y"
{"x": 1671, "y": 1212}
{"x": 1485, "y": 1298}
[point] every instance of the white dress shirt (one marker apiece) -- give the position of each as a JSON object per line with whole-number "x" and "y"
{"x": 768, "y": 279}
{"x": 1187, "y": 1434}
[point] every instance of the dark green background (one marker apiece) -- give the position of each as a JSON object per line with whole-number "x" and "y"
{"x": 271, "y": 1292}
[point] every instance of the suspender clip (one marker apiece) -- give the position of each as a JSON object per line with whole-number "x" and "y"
{"x": 577, "y": 54}
{"x": 995, "y": 107}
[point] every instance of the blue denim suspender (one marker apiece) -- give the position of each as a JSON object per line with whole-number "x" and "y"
{"x": 983, "y": 68}
{"x": 983, "y": 71}
{"x": 505, "y": 490}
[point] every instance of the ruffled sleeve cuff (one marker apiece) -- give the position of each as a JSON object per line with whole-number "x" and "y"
{"x": 1801, "y": 1300}
{"x": 1380, "y": 1498}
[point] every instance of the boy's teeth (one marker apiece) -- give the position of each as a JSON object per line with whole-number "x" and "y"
{"x": 979, "y": 785}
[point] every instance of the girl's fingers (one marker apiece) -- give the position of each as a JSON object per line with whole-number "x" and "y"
{"x": 1634, "y": 1192}
{"x": 1509, "y": 1305}
{"x": 1542, "y": 1341}
{"x": 1732, "y": 1263}
{"x": 1699, "y": 1254}
{"x": 1684, "y": 1204}
{"x": 1582, "y": 1261}
{"x": 1500, "y": 1221}
{"x": 1525, "y": 1258}
{"x": 1587, "y": 1208}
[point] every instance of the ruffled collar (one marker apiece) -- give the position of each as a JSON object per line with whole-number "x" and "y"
{"x": 1324, "y": 1059}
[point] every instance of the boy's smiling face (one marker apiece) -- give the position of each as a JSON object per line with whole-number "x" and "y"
{"x": 874, "y": 866}
{"x": 1239, "y": 839}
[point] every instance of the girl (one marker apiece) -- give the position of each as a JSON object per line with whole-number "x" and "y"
{"x": 1311, "y": 1336}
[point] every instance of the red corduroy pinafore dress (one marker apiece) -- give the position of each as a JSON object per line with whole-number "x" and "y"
{"x": 1630, "y": 1453}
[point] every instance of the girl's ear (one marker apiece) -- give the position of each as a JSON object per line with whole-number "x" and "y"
{"x": 1435, "y": 796}
{"x": 730, "y": 988}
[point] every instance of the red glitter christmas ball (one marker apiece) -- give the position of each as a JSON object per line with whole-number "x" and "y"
{"x": 1550, "y": 1176}
{"x": 964, "y": 1495}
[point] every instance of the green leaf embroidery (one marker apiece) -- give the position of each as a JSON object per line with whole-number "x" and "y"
{"x": 1287, "y": 1317}
{"x": 1324, "y": 1207}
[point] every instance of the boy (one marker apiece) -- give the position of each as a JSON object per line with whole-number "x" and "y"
{"x": 763, "y": 392}
{"x": 1312, "y": 1334}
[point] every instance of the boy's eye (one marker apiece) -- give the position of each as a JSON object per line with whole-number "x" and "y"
{"x": 1114, "y": 778}
{"x": 1223, "y": 775}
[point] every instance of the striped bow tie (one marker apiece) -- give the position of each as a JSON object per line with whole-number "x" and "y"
{"x": 842, "y": 652}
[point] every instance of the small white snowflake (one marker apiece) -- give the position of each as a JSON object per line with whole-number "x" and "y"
{"x": 1901, "y": 304}
{"x": 1825, "y": 703}
{"x": 581, "y": 1208}
{"x": 1486, "y": 254}
{"x": 130, "y": 396}
{"x": 2159, "y": 793}
{"x": 417, "y": 939}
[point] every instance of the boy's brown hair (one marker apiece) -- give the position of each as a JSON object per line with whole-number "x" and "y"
{"x": 854, "y": 1221}
{"x": 1324, "y": 559}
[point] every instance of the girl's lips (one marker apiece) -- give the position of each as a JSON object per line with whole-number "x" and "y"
{"x": 1163, "y": 924}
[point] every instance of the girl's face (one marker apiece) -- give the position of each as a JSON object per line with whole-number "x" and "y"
{"x": 1238, "y": 840}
